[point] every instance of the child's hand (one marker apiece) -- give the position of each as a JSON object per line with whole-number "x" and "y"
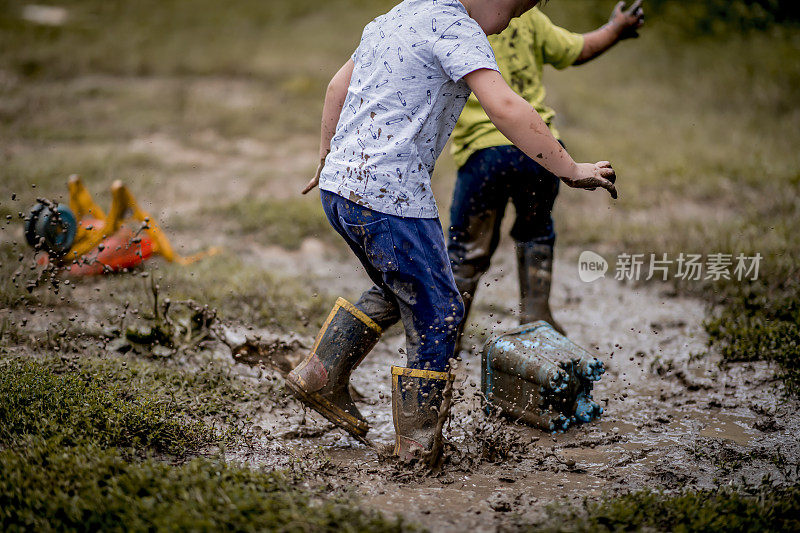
{"x": 628, "y": 22}
{"x": 315, "y": 180}
{"x": 590, "y": 176}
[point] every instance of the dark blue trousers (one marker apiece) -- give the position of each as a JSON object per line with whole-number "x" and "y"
{"x": 486, "y": 183}
{"x": 406, "y": 259}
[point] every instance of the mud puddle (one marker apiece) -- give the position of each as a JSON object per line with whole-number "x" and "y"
{"x": 673, "y": 420}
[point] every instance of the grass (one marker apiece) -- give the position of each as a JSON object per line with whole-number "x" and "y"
{"x": 103, "y": 403}
{"x": 76, "y": 453}
{"x": 204, "y": 393}
{"x": 762, "y": 324}
{"x": 767, "y": 509}
{"x": 283, "y": 223}
{"x": 48, "y": 487}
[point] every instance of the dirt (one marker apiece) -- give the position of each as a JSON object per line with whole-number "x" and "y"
{"x": 672, "y": 420}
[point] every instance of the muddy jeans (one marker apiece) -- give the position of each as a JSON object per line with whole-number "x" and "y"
{"x": 485, "y": 184}
{"x": 407, "y": 260}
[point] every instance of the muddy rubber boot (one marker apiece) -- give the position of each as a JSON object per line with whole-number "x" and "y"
{"x": 321, "y": 380}
{"x": 417, "y": 397}
{"x": 535, "y": 266}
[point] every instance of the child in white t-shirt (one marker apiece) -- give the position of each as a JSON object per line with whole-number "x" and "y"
{"x": 387, "y": 116}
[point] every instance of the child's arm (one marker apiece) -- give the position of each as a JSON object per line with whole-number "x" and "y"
{"x": 622, "y": 25}
{"x": 334, "y": 101}
{"x": 522, "y": 125}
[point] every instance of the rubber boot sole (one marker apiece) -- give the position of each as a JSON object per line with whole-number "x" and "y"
{"x": 339, "y": 417}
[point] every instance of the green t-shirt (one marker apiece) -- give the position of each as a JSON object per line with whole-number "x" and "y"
{"x": 521, "y": 50}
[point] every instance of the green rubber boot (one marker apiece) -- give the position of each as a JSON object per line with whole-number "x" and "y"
{"x": 322, "y": 380}
{"x": 535, "y": 266}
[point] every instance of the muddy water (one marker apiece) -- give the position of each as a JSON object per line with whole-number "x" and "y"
{"x": 671, "y": 420}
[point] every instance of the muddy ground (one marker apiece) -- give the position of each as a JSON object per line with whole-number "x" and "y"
{"x": 674, "y": 418}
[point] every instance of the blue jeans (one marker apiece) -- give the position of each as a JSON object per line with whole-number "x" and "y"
{"x": 485, "y": 184}
{"x": 407, "y": 260}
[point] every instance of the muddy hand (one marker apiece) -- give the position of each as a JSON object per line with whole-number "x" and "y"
{"x": 315, "y": 180}
{"x": 591, "y": 176}
{"x": 628, "y": 21}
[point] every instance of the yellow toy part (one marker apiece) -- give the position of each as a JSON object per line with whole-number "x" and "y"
{"x": 94, "y": 226}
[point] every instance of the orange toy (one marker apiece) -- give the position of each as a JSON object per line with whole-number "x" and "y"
{"x": 101, "y": 243}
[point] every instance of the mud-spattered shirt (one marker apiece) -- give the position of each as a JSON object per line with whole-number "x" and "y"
{"x": 404, "y": 99}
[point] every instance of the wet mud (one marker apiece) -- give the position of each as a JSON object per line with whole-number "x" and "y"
{"x": 672, "y": 420}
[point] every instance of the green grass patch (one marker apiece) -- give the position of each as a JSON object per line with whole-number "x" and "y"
{"x": 207, "y": 391}
{"x": 76, "y": 453}
{"x": 284, "y": 222}
{"x": 721, "y": 510}
{"x": 762, "y": 323}
{"x": 46, "y": 486}
{"x": 83, "y": 407}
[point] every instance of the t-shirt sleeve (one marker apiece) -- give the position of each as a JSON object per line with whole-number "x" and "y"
{"x": 560, "y": 47}
{"x": 463, "y": 48}
{"x": 362, "y": 44}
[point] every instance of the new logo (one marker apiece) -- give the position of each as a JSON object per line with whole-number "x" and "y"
{"x": 591, "y": 266}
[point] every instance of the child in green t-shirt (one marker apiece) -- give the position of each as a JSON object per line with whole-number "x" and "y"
{"x": 493, "y": 171}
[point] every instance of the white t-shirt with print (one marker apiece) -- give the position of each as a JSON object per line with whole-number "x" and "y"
{"x": 404, "y": 99}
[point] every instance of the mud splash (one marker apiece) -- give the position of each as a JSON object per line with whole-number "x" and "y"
{"x": 671, "y": 420}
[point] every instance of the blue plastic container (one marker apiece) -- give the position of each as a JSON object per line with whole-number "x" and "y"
{"x": 535, "y": 375}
